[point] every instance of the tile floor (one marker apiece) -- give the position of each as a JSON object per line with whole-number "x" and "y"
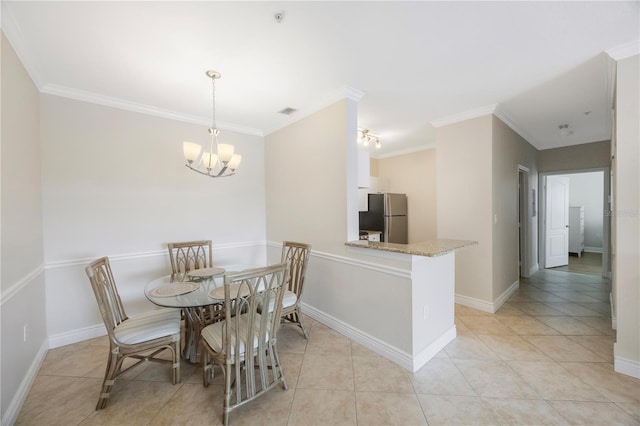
{"x": 544, "y": 358}
{"x": 587, "y": 263}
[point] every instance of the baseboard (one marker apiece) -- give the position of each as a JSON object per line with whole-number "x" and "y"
{"x": 626, "y": 366}
{"x": 425, "y": 355}
{"x": 505, "y": 296}
{"x": 483, "y": 305}
{"x": 75, "y": 336}
{"x": 592, "y": 250}
{"x": 474, "y": 303}
{"x": 614, "y": 323}
{"x": 11, "y": 414}
{"x": 392, "y": 353}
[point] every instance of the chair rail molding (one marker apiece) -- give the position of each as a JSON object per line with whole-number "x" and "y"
{"x": 138, "y": 255}
{"x": 6, "y": 295}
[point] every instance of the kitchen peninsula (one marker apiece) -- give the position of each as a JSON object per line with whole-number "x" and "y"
{"x": 432, "y": 291}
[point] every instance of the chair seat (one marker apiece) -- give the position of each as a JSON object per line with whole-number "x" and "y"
{"x": 212, "y": 334}
{"x": 289, "y": 299}
{"x": 148, "y": 326}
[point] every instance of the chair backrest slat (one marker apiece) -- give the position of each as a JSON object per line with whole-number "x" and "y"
{"x": 104, "y": 288}
{"x": 190, "y": 255}
{"x": 297, "y": 256}
{"x": 252, "y": 315}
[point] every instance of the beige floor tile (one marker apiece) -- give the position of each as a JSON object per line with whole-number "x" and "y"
{"x": 383, "y": 408}
{"x": 552, "y": 381}
{"x": 602, "y": 324}
{"x": 602, "y": 307}
{"x": 333, "y": 380}
{"x": 615, "y": 386}
{"x": 291, "y": 364}
{"x": 485, "y": 324}
{"x": 359, "y": 350}
{"x": 576, "y": 296}
{"x": 327, "y": 341}
{"x": 526, "y": 325}
{"x": 599, "y": 345}
{"x": 68, "y": 400}
{"x": 573, "y": 309}
{"x": 326, "y": 372}
{"x": 269, "y": 409}
{"x": 135, "y": 404}
{"x": 323, "y": 407}
{"x": 465, "y": 310}
{"x": 536, "y": 308}
{"x": 448, "y": 410}
{"x": 469, "y": 347}
{"x": 494, "y": 379}
{"x": 525, "y": 412}
{"x": 631, "y": 408}
{"x": 510, "y": 348}
{"x": 76, "y": 362}
{"x": 569, "y": 326}
{"x": 380, "y": 375}
{"x": 593, "y": 413}
{"x": 291, "y": 340}
{"x": 440, "y": 377}
{"x": 509, "y": 309}
{"x": 562, "y": 348}
{"x": 192, "y": 404}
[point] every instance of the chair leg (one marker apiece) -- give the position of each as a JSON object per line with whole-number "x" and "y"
{"x": 176, "y": 361}
{"x": 298, "y": 314}
{"x": 113, "y": 365}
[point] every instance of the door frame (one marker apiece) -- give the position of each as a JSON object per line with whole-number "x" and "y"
{"x": 524, "y": 232}
{"x": 606, "y": 222}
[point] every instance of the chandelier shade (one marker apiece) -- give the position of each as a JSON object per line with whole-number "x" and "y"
{"x": 219, "y": 160}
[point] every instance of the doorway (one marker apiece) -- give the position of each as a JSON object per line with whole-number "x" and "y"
{"x": 574, "y": 229}
{"x": 524, "y": 224}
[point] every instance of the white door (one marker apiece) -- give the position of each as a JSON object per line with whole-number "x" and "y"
{"x": 557, "y": 222}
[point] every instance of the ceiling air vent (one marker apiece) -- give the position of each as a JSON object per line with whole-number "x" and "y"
{"x": 288, "y": 111}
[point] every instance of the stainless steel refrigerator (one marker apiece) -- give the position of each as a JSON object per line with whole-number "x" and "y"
{"x": 388, "y": 214}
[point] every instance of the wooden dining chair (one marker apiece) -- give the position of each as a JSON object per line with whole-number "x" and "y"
{"x": 141, "y": 337}
{"x": 185, "y": 257}
{"x": 189, "y": 255}
{"x": 244, "y": 343}
{"x": 296, "y": 255}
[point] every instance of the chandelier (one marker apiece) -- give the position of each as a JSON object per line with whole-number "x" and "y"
{"x": 219, "y": 160}
{"x": 364, "y": 138}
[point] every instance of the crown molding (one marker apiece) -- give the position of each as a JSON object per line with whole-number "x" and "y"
{"x": 12, "y": 31}
{"x": 466, "y": 115}
{"x": 516, "y": 127}
{"x": 624, "y": 50}
{"x": 96, "y": 98}
{"x": 343, "y": 92}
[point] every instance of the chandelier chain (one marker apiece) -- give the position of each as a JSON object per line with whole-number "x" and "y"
{"x": 213, "y": 90}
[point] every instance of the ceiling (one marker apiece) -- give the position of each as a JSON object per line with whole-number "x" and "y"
{"x": 416, "y": 64}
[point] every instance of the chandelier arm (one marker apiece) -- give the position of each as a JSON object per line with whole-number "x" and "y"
{"x": 209, "y": 174}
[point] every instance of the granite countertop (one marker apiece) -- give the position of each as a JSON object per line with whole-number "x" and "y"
{"x": 430, "y": 248}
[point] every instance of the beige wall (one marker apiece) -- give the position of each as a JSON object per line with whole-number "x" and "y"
{"x": 115, "y": 182}
{"x": 464, "y": 201}
{"x": 22, "y": 283}
{"x": 576, "y": 157}
{"x": 509, "y": 151}
{"x": 306, "y": 180}
{"x": 626, "y": 211}
{"x": 415, "y": 175}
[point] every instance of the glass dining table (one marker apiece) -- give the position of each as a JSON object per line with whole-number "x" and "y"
{"x": 200, "y": 295}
